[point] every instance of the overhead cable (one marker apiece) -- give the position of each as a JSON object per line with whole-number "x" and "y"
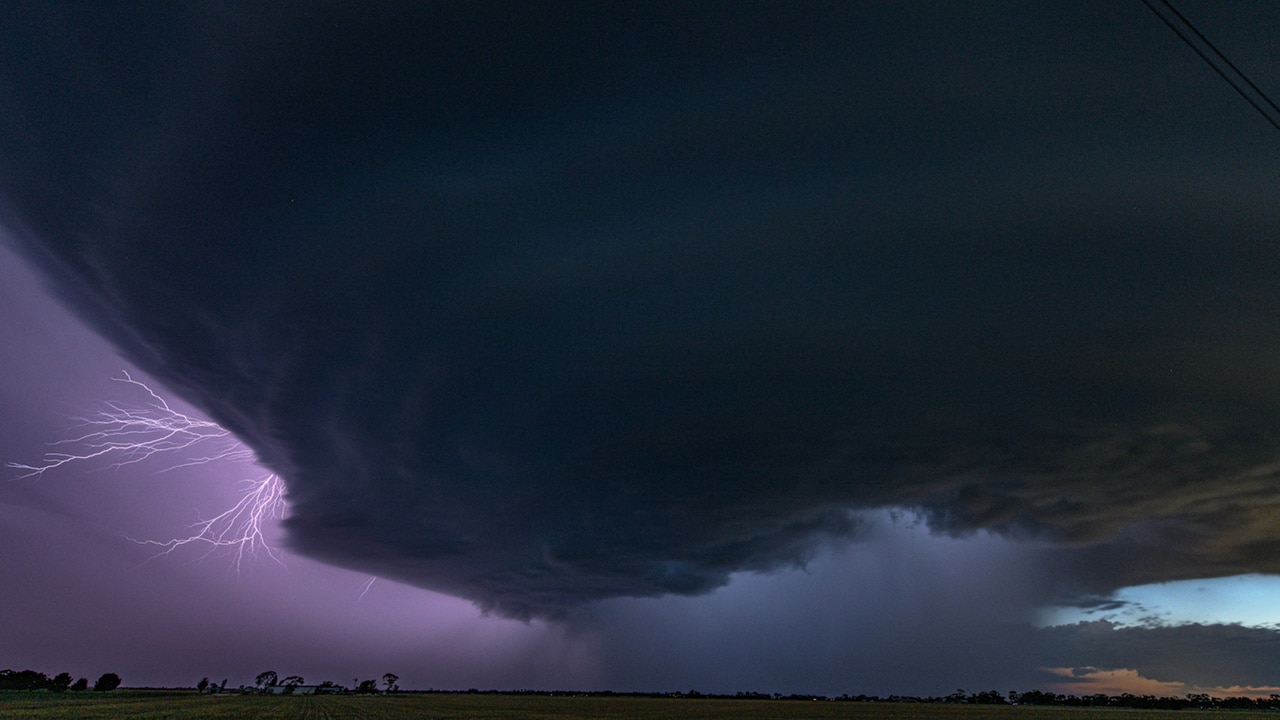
{"x": 1235, "y": 77}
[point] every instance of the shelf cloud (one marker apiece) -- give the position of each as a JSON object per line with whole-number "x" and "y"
{"x": 541, "y": 307}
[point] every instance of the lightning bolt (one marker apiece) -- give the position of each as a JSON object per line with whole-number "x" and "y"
{"x": 128, "y": 434}
{"x": 368, "y": 584}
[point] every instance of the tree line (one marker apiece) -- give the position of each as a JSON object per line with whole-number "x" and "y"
{"x": 1038, "y": 697}
{"x": 1124, "y": 700}
{"x": 986, "y": 697}
{"x": 269, "y": 681}
{"x": 62, "y": 682}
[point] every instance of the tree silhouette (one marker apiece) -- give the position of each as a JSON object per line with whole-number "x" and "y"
{"x": 202, "y": 685}
{"x": 107, "y": 683}
{"x": 60, "y": 682}
{"x": 267, "y": 679}
{"x": 23, "y": 680}
{"x": 80, "y": 685}
{"x": 390, "y": 681}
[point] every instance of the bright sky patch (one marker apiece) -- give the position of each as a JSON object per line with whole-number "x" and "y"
{"x": 1248, "y": 600}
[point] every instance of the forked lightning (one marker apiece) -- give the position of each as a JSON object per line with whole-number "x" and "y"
{"x": 127, "y": 434}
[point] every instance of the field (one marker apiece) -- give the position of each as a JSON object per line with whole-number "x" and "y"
{"x": 187, "y": 705}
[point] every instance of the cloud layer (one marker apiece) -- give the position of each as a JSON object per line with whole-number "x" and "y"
{"x": 541, "y": 308}
{"x": 1204, "y": 656}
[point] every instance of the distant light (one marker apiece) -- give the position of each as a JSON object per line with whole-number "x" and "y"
{"x": 1248, "y": 600}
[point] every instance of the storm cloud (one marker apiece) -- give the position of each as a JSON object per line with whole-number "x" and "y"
{"x": 538, "y": 306}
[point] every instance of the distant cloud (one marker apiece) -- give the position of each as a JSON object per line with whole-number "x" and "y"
{"x": 1203, "y": 658}
{"x": 1092, "y": 681}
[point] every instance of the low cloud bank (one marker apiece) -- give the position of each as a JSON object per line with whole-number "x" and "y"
{"x": 1221, "y": 657}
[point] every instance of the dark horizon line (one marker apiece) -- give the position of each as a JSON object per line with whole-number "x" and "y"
{"x": 959, "y": 697}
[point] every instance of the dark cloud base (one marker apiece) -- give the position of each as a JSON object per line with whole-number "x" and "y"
{"x": 1198, "y": 655}
{"x": 539, "y": 312}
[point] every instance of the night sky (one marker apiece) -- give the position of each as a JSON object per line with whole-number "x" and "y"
{"x": 847, "y": 347}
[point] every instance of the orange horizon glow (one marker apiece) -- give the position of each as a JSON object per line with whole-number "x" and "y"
{"x": 1118, "y": 681}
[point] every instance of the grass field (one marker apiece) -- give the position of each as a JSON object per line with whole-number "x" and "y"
{"x": 189, "y": 706}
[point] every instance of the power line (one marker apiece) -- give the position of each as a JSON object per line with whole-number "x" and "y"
{"x": 1235, "y": 84}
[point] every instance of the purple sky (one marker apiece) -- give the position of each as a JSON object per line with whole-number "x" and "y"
{"x": 884, "y": 349}
{"x": 89, "y": 600}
